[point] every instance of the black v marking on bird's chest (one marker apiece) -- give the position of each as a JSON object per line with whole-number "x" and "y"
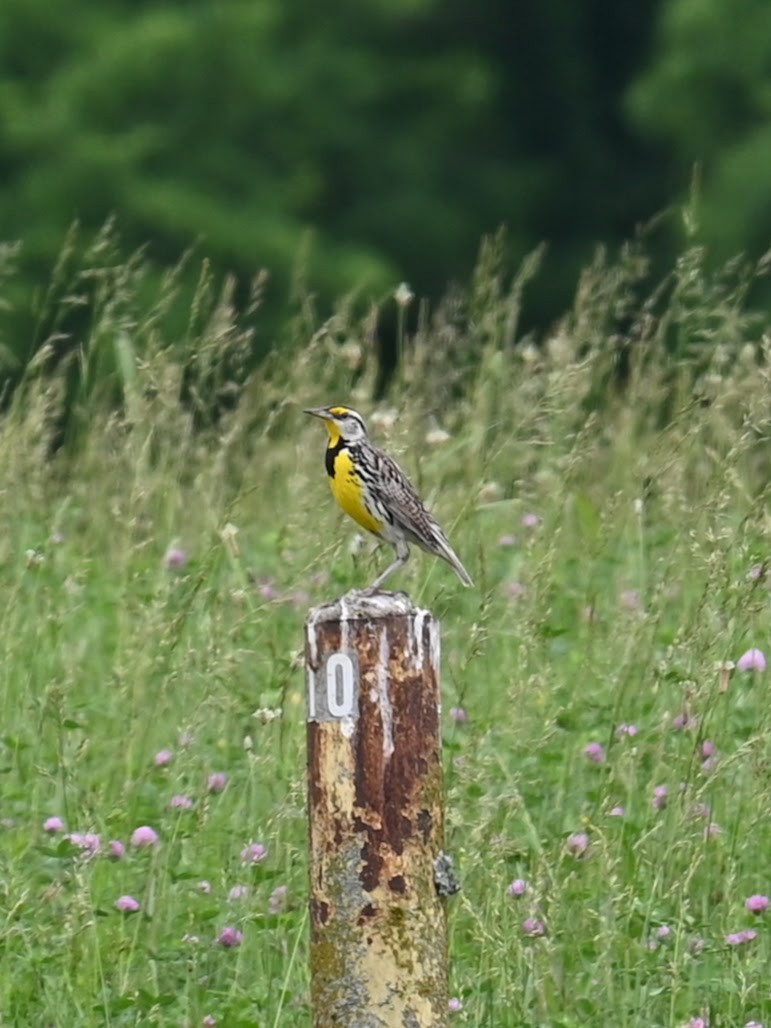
{"x": 331, "y": 456}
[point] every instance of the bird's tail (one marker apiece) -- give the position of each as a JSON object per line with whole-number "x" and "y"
{"x": 446, "y": 552}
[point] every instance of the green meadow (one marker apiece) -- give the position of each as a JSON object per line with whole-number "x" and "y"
{"x": 608, "y": 750}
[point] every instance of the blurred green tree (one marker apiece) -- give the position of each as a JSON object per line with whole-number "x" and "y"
{"x": 375, "y": 141}
{"x": 707, "y": 95}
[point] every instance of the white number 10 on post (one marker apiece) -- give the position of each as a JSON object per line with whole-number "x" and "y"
{"x": 333, "y": 690}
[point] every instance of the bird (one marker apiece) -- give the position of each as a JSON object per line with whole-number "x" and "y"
{"x": 372, "y": 488}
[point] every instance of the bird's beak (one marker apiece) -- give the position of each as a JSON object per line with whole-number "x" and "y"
{"x": 317, "y": 412}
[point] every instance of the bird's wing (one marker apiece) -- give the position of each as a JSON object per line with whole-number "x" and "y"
{"x": 402, "y": 500}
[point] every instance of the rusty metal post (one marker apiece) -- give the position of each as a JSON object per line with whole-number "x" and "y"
{"x": 378, "y": 922}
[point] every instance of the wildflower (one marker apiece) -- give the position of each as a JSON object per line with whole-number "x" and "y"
{"x": 268, "y": 589}
{"x": 696, "y": 945}
{"x": 89, "y": 842}
{"x": 530, "y": 521}
{"x": 685, "y": 722}
{"x": 239, "y": 892}
{"x": 712, "y": 830}
{"x": 352, "y": 353}
{"x": 175, "y": 558}
{"x": 757, "y": 904}
{"x": 210, "y": 1021}
{"x": 578, "y": 844}
{"x": 530, "y": 353}
{"x": 437, "y": 436}
{"x": 357, "y": 545}
{"x": 186, "y": 739}
{"x": 180, "y": 802}
{"x": 663, "y": 932}
{"x": 616, "y": 812}
{"x": 739, "y": 938}
{"x": 144, "y": 836}
{"x": 53, "y": 824}
{"x": 698, "y": 1022}
{"x": 660, "y": 797}
{"x": 278, "y": 899}
{"x": 229, "y": 536}
{"x": 230, "y": 937}
{"x": 253, "y": 853}
{"x": 630, "y": 731}
{"x": 190, "y": 939}
{"x": 756, "y": 571}
{"x": 459, "y": 715}
{"x": 507, "y": 540}
{"x": 217, "y": 781}
{"x": 630, "y": 599}
{"x": 115, "y": 849}
{"x": 701, "y": 810}
{"x": 532, "y": 927}
{"x": 163, "y": 758}
{"x": 265, "y": 715}
{"x": 518, "y": 887}
{"x": 710, "y": 753}
{"x": 299, "y": 599}
{"x": 34, "y": 558}
{"x": 752, "y": 660}
{"x": 454, "y": 1005}
{"x": 404, "y": 295}
{"x": 515, "y": 591}
{"x": 385, "y": 418}
{"x": 127, "y": 904}
{"x": 595, "y": 752}
{"x": 205, "y": 887}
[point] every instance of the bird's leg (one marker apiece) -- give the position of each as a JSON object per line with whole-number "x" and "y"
{"x": 402, "y": 555}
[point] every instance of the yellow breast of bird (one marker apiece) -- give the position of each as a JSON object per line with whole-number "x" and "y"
{"x": 349, "y": 492}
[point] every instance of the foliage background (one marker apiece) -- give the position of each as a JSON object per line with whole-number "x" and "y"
{"x": 357, "y": 145}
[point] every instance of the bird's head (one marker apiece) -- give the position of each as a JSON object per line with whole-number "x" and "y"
{"x": 342, "y": 423}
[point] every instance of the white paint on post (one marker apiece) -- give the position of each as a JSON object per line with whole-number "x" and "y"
{"x": 420, "y": 618}
{"x": 310, "y": 633}
{"x": 345, "y": 615}
{"x": 435, "y": 640}
{"x": 311, "y": 694}
{"x": 384, "y": 695}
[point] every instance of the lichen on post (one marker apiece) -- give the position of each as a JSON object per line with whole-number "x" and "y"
{"x": 378, "y": 922}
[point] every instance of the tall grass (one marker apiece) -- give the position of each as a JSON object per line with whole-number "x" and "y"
{"x": 608, "y": 489}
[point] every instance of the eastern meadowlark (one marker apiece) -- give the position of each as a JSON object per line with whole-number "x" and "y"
{"x": 375, "y": 492}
